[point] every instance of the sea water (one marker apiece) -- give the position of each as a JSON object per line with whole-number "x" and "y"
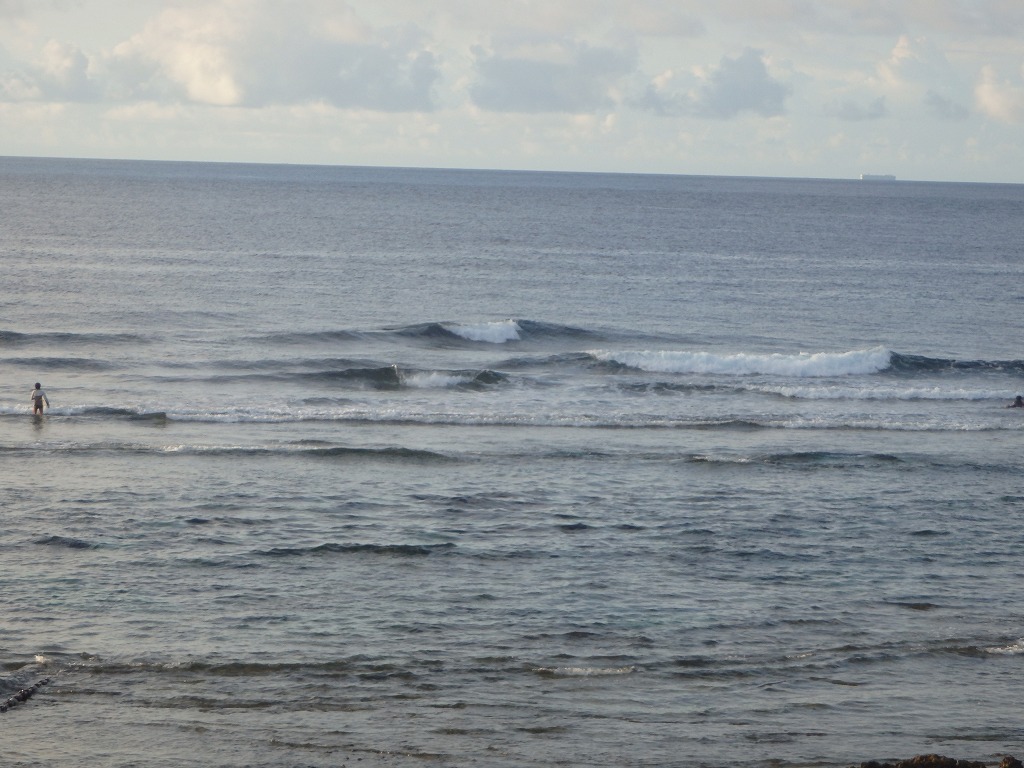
{"x": 422, "y": 467}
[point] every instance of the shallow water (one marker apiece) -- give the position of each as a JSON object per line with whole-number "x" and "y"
{"x": 504, "y": 469}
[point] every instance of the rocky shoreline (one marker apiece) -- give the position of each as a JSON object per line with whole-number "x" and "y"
{"x": 940, "y": 761}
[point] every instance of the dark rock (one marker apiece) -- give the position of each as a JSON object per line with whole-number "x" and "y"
{"x": 23, "y": 695}
{"x": 939, "y": 761}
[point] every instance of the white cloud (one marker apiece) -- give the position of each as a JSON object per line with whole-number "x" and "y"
{"x": 548, "y": 76}
{"x": 735, "y": 86}
{"x": 245, "y": 53}
{"x": 998, "y": 98}
{"x": 14, "y": 87}
{"x": 855, "y": 112}
{"x": 656, "y": 18}
{"x": 944, "y": 108}
{"x": 65, "y": 65}
{"x": 190, "y": 49}
{"x": 742, "y": 84}
{"x": 61, "y": 72}
{"x": 11, "y": 9}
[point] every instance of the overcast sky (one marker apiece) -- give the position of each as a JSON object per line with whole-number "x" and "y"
{"x": 924, "y": 89}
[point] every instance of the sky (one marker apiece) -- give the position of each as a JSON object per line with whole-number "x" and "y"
{"x": 923, "y": 89}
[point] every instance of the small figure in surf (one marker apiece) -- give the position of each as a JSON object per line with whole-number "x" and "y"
{"x": 38, "y": 398}
{"x": 1018, "y": 402}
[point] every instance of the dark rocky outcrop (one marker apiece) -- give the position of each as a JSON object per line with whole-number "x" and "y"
{"x": 939, "y": 761}
{"x": 23, "y": 695}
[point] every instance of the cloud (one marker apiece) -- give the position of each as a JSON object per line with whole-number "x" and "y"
{"x": 549, "y": 76}
{"x": 914, "y": 60}
{"x": 944, "y": 108}
{"x": 742, "y": 84}
{"x": 656, "y": 18}
{"x": 920, "y": 69}
{"x": 64, "y": 70}
{"x": 872, "y": 18}
{"x": 845, "y": 17}
{"x": 60, "y": 73}
{"x": 1001, "y": 100}
{"x": 855, "y": 112}
{"x": 686, "y": 85}
{"x": 999, "y": 18}
{"x": 243, "y": 53}
{"x": 13, "y": 8}
{"x": 737, "y": 85}
{"x": 393, "y": 71}
{"x": 256, "y": 59}
{"x": 186, "y": 52}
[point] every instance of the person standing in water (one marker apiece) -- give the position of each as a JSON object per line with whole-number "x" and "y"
{"x": 38, "y": 398}
{"x": 1018, "y": 402}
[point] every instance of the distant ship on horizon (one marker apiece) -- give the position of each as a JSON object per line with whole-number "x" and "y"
{"x": 877, "y": 177}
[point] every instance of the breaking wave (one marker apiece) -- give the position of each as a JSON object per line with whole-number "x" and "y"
{"x": 860, "y": 362}
{"x": 494, "y": 331}
{"x": 803, "y": 364}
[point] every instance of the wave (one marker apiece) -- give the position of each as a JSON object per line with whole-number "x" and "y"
{"x": 1011, "y": 649}
{"x": 810, "y": 459}
{"x": 418, "y": 415}
{"x": 64, "y": 541}
{"x": 393, "y": 453}
{"x": 904, "y": 363}
{"x": 20, "y": 411}
{"x": 446, "y": 379}
{"x": 483, "y": 332}
{"x": 394, "y": 377}
{"x": 273, "y": 364}
{"x": 60, "y": 363}
{"x": 490, "y": 332}
{"x": 886, "y": 393}
{"x": 337, "y": 452}
{"x": 403, "y": 454}
{"x": 495, "y": 331}
{"x": 385, "y": 377}
{"x": 803, "y": 364}
{"x": 863, "y": 362}
{"x": 515, "y": 331}
{"x": 557, "y": 672}
{"x": 291, "y": 338}
{"x": 795, "y": 459}
{"x": 16, "y": 339}
{"x": 391, "y": 550}
{"x": 358, "y": 374}
{"x": 379, "y": 377}
{"x": 107, "y": 412}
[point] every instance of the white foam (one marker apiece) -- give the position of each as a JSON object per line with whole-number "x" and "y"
{"x": 892, "y": 392}
{"x": 434, "y": 380}
{"x": 856, "y": 362}
{"x": 497, "y": 332}
{"x": 1011, "y": 649}
{"x": 587, "y": 671}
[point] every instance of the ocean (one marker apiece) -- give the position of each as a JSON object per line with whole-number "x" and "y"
{"x": 405, "y": 467}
